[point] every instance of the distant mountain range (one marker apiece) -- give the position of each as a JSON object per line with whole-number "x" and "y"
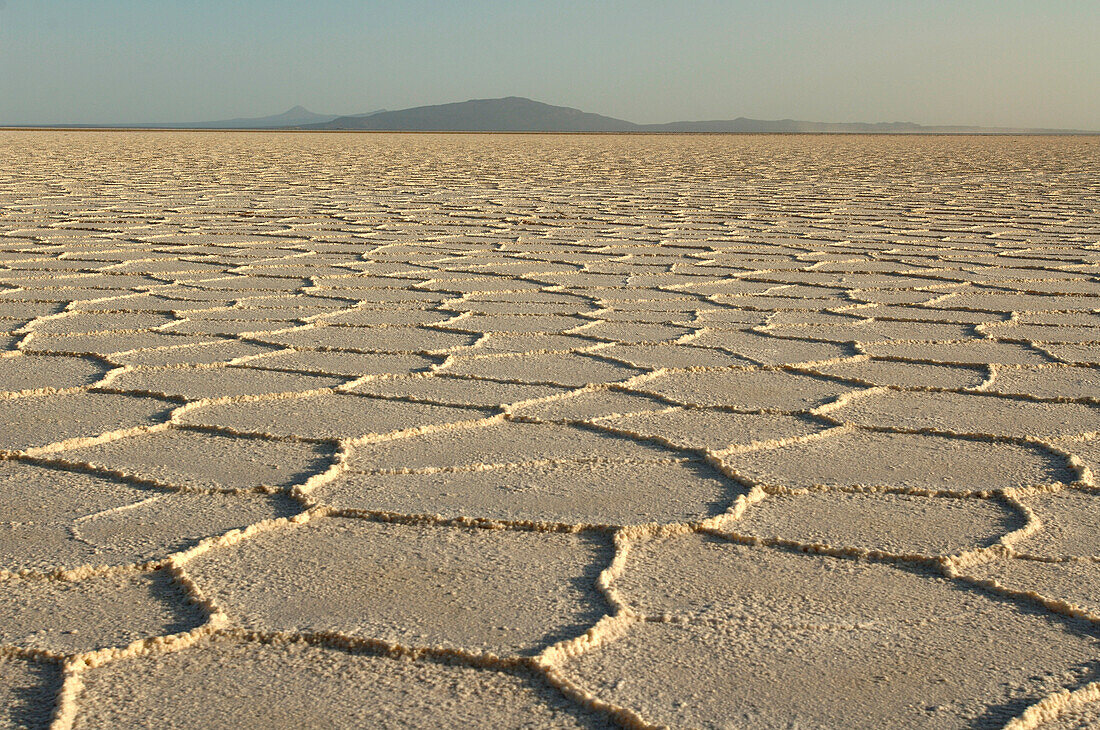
{"x": 294, "y": 117}
{"x": 518, "y": 114}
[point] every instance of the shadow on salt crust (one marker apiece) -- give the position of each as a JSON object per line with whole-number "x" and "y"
{"x": 329, "y": 416}
{"x": 220, "y": 382}
{"x": 907, "y": 374}
{"x": 771, "y": 639}
{"x": 27, "y": 692}
{"x": 672, "y": 356}
{"x": 1073, "y": 581}
{"x": 1052, "y": 382}
{"x": 566, "y": 370}
{"x": 959, "y": 353}
{"x": 344, "y": 364}
{"x": 480, "y": 590}
{"x": 914, "y": 461}
{"x": 507, "y": 442}
{"x": 589, "y": 405}
{"x": 606, "y": 493}
{"x": 60, "y": 519}
{"x": 746, "y": 389}
{"x": 196, "y": 354}
{"x": 1070, "y": 525}
{"x": 40, "y": 420}
{"x": 227, "y": 461}
{"x": 31, "y": 372}
{"x": 374, "y": 339}
{"x": 698, "y": 428}
{"x": 93, "y": 613}
{"x": 457, "y": 391}
{"x": 772, "y": 350}
{"x": 896, "y": 523}
{"x": 970, "y": 413}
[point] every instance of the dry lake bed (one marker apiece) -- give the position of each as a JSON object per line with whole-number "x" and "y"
{"x": 318, "y": 430}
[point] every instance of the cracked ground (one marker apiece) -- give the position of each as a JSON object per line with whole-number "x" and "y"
{"x": 321, "y": 430}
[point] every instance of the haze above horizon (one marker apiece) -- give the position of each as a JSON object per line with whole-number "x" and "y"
{"x": 1010, "y": 63}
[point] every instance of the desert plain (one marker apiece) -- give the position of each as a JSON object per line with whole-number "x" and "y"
{"x": 372, "y": 430}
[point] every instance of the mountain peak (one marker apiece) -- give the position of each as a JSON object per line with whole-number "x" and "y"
{"x": 506, "y": 114}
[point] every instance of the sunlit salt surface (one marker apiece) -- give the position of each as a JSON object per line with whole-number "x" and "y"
{"x": 435, "y": 430}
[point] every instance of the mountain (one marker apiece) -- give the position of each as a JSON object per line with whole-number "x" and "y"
{"x": 517, "y": 114}
{"x": 293, "y": 117}
{"x": 510, "y": 114}
{"x": 743, "y": 125}
{"x": 793, "y": 126}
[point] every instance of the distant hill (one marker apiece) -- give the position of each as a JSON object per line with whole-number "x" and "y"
{"x": 293, "y": 117}
{"x": 745, "y": 125}
{"x": 290, "y": 119}
{"x": 518, "y": 114}
{"x": 510, "y": 114}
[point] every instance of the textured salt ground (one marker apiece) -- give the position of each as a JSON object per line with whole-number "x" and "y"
{"x": 1053, "y": 382}
{"x": 93, "y": 613}
{"x": 712, "y": 429}
{"x": 765, "y": 638}
{"x": 346, "y": 364}
{"x": 328, "y": 416}
{"x": 971, "y": 413}
{"x": 751, "y": 390}
{"x": 567, "y": 370}
{"x": 1076, "y": 719}
{"x": 1072, "y": 581}
{"x": 503, "y": 593}
{"x": 248, "y": 684}
{"x": 202, "y": 353}
{"x": 842, "y": 458}
{"x": 1070, "y": 525}
{"x": 719, "y": 442}
{"x": 894, "y": 523}
{"x": 458, "y": 391}
{"x": 227, "y": 461}
{"x": 40, "y": 420}
{"x": 27, "y": 692}
{"x": 568, "y": 492}
{"x": 906, "y": 374}
{"x": 589, "y": 405}
{"x": 219, "y": 382}
{"x": 49, "y": 372}
{"x": 504, "y": 443}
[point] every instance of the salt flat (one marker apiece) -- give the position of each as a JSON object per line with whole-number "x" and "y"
{"x": 316, "y": 430}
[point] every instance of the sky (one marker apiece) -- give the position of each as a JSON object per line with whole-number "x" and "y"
{"x": 1032, "y": 63}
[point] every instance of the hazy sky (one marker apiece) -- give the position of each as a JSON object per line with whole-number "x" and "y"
{"x": 988, "y": 62}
